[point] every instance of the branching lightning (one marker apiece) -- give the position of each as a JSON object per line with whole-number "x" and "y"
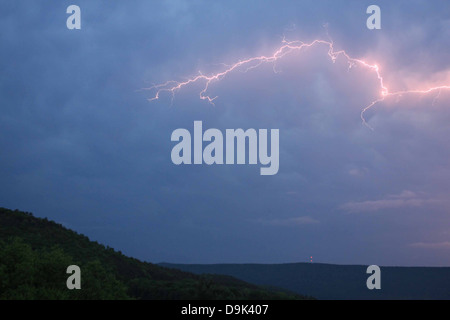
{"x": 287, "y": 47}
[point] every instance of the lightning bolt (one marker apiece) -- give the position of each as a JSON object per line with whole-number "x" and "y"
{"x": 287, "y": 47}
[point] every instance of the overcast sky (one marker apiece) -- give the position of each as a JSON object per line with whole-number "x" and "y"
{"x": 82, "y": 145}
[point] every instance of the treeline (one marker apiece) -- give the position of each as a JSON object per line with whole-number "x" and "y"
{"x": 35, "y": 253}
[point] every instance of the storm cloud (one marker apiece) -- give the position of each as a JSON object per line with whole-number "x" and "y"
{"x": 81, "y": 144}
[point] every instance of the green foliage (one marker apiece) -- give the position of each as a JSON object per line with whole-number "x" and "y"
{"x": 27, "y": 274}
{"x": 35, "y": 253}
{"x": 100, "y": 284}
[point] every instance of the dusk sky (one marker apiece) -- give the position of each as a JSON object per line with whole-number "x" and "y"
{"x": 81, "y": 144}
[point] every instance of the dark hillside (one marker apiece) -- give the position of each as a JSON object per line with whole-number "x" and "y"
{"x": 328, "y": 281}
{"x": 35, "y": 252}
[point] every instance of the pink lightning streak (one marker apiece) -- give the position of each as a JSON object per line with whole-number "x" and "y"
{"x": 286, "y": 48}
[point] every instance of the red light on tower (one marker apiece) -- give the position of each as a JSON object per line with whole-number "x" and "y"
{"x": 310, "y": 259}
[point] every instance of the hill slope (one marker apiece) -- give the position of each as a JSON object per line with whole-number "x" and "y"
{"x": 326, "y": 281}
{"x": 35, "y": 252}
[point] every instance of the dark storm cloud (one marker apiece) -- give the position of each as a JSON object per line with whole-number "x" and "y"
{"x": 81, "y": 144}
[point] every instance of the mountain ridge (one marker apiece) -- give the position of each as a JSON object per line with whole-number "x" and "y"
{"x": 330, "y": 281}
{"x": 35, "y": 252}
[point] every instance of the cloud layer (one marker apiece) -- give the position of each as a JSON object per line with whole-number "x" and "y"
{"x": 80, "y": 143}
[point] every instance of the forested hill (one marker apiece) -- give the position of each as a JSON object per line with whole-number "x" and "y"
{"x": 35, "y": 253}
